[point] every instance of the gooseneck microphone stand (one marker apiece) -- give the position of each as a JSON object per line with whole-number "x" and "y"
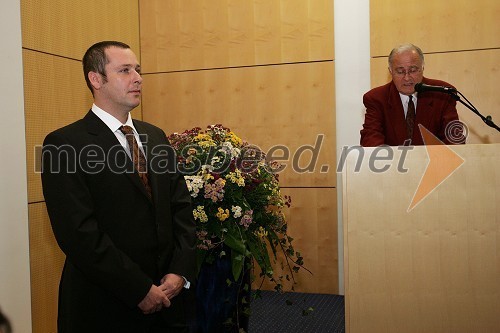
{"x": 487, "y": 120}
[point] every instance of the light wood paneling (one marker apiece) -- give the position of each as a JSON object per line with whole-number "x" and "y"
{"x": 313, "y": 225}
{"x": 312, "y": 222}
{"x": 203, "y": 65}
{"x": 288, "y": 105}
{"x": 55, "y": 95}
{"x": 68, "y": 28}
{"x": 474, "y": 74}
{"x": 195, "y": 34}
{"x": 435, "y": 26}
{"x": 435, "y": 268}
{"x": 46, "y": 261}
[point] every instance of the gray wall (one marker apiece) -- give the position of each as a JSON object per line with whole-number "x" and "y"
{"x": 15, "y": 298}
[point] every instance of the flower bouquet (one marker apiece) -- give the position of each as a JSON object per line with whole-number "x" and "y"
{"x": 237, "y": 202}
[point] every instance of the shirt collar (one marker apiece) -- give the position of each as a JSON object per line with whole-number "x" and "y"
{"x": 405, "y": 98}
{"x": 110, "y": 121}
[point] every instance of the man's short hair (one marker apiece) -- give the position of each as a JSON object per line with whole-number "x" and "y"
{"x": 95, "y": 59}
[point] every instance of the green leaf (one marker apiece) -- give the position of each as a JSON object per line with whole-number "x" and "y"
{"x": 238, "y": 260}
{"x": 260, "y": 254}
{"x": 235, "y": 244}
{"x": 307, "y": 311}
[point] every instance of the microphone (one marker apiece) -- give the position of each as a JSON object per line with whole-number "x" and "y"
{"x": 422, "y": 87}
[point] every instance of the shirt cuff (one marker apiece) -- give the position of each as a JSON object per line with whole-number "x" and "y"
{"x": 187, "y": 284}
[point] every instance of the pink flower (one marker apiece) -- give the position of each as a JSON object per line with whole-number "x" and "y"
{"x": 215, "y": 191}
{"x": 246, "y": 220}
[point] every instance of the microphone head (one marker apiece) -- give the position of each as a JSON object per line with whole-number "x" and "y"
{"x": 418, "y": 87}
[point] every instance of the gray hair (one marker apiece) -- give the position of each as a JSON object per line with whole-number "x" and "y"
{"x": 403, "y": 48}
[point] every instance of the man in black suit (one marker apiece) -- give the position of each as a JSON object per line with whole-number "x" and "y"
{"x": 129, "y": 244}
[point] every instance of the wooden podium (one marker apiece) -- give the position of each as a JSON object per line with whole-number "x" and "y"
{"x": 435, "y": 267}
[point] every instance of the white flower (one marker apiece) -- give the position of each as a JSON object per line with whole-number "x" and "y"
{"x": 227, "y": 147}
{"x": 194, "y": 184}
{"x": 236, "y": 211}
{"x": 206, "y": 168}
{"x": 215, "y": 160}
{"x": 236, "y": 152}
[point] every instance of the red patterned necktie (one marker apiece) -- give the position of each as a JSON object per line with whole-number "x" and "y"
{"x": 410, "y": 117}
{"x": 137, "y": 157}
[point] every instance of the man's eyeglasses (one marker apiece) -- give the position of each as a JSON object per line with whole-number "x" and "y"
{"x": 402, "y": 72}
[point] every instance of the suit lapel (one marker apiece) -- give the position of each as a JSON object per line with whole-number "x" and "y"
{"x": 117, "y": 157}
{"x": 397, "y": 114}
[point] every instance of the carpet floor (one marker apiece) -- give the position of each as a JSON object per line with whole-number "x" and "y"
{"x": 297, "y": 312}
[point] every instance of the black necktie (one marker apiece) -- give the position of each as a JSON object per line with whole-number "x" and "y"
{"x": 137, "y": 157}
{"x": 410, "y": 117}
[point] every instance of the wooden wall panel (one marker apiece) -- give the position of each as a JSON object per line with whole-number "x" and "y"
{"x": 194, "y": 34}
{"x": 312, "y": 222}
{"x": 290, "y": 105}
{"x": 264, "y": 69}
{"x": 474, "y": 74}
{"x": 46, "y": 264}
{"x": 55, "y": 95}
{"x": 435, "y": 26}
{"x": 68, "y": 28}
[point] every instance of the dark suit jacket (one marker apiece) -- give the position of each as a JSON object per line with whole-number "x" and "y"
{"x": 117, "y": 241}
{"x": 385, "y": 120}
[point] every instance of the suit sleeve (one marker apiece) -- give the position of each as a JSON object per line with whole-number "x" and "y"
{"x": 372, "y": 134}
{"x": 71, "y": 211}
{"x": 184, "y": 257}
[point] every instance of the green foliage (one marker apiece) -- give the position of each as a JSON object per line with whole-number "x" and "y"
{"x": 237, "y": 202}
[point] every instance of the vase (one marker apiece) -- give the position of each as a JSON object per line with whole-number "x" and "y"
{"x": 222, "y": 301}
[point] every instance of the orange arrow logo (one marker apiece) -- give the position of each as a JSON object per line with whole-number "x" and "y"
{"x": 443, "y": 162}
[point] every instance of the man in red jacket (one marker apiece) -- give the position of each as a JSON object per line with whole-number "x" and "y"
{"x": 394, "y": 110}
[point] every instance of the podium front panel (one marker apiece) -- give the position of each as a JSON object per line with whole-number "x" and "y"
{"x": 422, "y": 252}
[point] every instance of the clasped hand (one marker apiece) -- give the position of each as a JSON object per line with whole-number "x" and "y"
{"x": 160, "y": 296}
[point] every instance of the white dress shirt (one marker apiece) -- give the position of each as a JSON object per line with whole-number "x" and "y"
{"x": 114, "y": 125}
{"x": 405, "y": 99}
